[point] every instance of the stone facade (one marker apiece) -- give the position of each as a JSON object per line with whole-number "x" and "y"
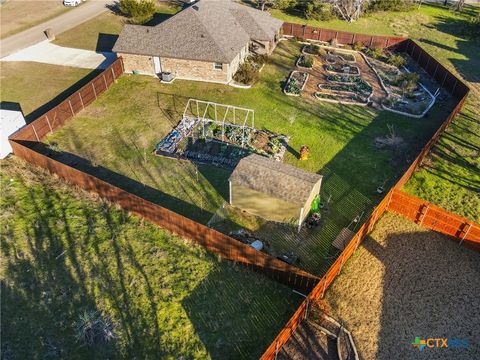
{"x": 138, "y": 63}
{"x": 195, "y": 70}
{"x": 185, "y": 69}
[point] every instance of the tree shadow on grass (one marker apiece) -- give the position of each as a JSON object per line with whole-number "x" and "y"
{"x": 467, "y": 46}
{"x": 235, "y": 315}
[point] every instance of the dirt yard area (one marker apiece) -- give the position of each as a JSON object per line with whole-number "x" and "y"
{"x": 19, "y": 15}
{"x": 406, "y": 282}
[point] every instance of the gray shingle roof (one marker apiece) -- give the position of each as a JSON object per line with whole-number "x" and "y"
{"x": 279, "y": 180}
{"x": 210, "y": 30}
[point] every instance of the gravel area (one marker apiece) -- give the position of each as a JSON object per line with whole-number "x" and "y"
{"x": 406, "y": 282}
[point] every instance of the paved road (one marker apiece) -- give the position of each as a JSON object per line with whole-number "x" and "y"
{"x": 59, "y": 24}
{"x": 46, "y": 52}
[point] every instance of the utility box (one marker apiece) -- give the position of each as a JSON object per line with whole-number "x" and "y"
{"x": 167, "y": 76}
{"x": 10, "y": 121}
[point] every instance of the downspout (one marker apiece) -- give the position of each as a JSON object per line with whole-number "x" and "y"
{"x": 230, "y": 192}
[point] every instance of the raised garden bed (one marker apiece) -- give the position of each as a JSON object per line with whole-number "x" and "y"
{"x": 343, "y": 56}
{"x": 295, "y": 83}
{"x": 343, "y": 69}
{"x": 305, "y": 61}
{"x": 355, "y": 90}
{"x": 311, "y": 49}
{"x": 411, "y": 100}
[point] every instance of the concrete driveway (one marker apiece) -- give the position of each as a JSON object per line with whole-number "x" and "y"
{"x": 61, "y": 23}
{"x": 46, "y": 52}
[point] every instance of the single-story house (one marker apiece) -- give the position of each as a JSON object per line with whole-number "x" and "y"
{"x": 206, "y": 41}
{"x": 273, "y": 190}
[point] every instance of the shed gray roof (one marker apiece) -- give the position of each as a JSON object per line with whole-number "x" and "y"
{"x": 210, "y": 30}
{"x": 279, "y": 180}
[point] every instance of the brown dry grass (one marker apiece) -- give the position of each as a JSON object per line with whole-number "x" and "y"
{"x": 404, "y": 282}
{"x": 18, "y": 15}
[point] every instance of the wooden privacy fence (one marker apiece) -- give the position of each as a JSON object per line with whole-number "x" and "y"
{"x": 438, "y": 220}
{"x": 23, "y": 143}
{"x": 343, "y": 37}
{"x": 435, "y": 218}
{"x": 214, "y": 241}
{"x": 68, "y": 108}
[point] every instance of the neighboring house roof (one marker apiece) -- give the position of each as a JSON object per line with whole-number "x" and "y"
{"x": 274, "y": 178}
{"x": 210, "y": 30}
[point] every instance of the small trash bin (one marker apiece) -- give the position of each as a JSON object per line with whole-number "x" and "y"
{"x": 49, "y": 33}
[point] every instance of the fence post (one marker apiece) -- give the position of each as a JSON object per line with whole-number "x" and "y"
{"x": 324, "y": 287}
{"x": 424, "y": 214}
{"x": 386, "y": 42}
{"x": 94, "y": 92}
{"x": 113, "y": 74}
{"x": 435, "y": 73}
{"x": 353, "y": 38}
{"x": 444, "y": 79}
{"x": 371, "y": 42}
{"x": 342, "y": 262}
{"x": 35, "y": 131}
{"x": 105, "y": 81}
{"x": 71, "y": 108}
{"x": 81, "y": 100}
{"x": 306, "y": 309}
{"x": 465, "y": 235}
{"x": 48, "y": 122}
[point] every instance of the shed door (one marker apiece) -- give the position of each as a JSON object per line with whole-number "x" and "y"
{"x": 156, "y": 65}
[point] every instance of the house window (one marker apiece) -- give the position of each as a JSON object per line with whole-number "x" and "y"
{"x": 218, "y": 66}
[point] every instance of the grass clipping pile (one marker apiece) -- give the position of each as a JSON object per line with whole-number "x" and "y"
{"x": 406, "y": 282}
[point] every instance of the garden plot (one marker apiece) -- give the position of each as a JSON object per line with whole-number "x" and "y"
{"x": 199, "y": 138}
{"x": 406, "y": 92}
{"x": 334, "y": 75}
{"x": 296, "y": 83}
{"x": 138, "y": 111}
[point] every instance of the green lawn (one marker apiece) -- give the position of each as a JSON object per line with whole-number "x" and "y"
{"x": 138, "y": 111}
{"x": 65, "y": 252}
{"x": 39, "y": 87}
{"x": 451, "y": 177}
{"x": 101, "y": 32}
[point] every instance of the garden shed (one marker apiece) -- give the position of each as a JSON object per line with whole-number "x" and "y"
{"x": 273, "y": 190}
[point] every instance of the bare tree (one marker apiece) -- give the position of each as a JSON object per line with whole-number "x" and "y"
{"x": 458, "y": 6}
{"x": 350, "y": 10}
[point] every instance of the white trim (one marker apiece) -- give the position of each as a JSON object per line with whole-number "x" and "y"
{"x": 300, "y": 220}
{"x": 230, "y": 193}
